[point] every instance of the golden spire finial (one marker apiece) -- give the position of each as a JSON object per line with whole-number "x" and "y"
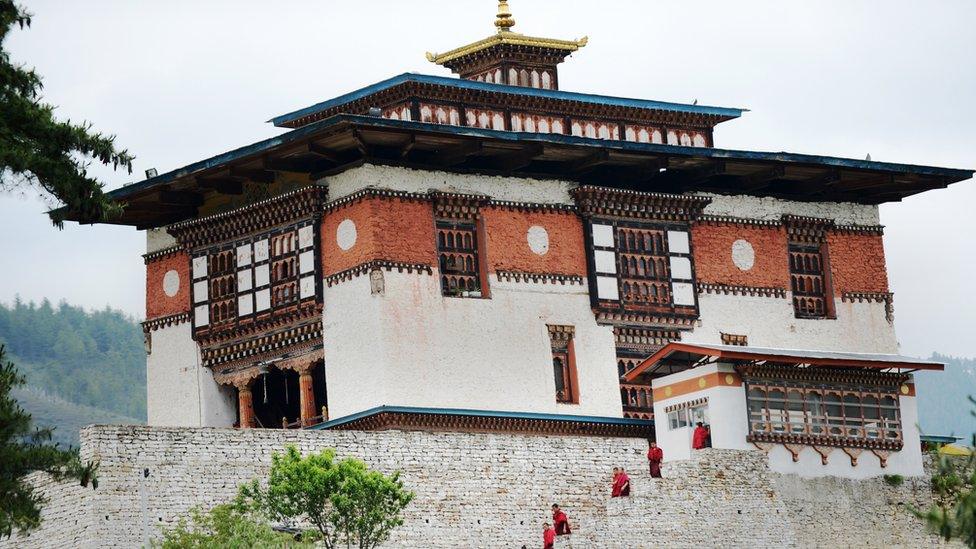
{"x": 504, "y": 19}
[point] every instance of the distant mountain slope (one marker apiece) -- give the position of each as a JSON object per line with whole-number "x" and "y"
{"x": 67, "y": 418}
{"x": 90, "y": 358}
{"x": 943, "y": 405}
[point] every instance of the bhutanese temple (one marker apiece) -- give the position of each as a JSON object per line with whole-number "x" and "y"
{"x": 491, "y": 252}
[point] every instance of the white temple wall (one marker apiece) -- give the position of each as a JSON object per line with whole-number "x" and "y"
{"x": 516, "y": 189}
{"x": 770, "y": 322}
{"x": 158, "y": 239}
{"x": 486, "y": 354}
{"x": 773, "y": 209}
{"x": 355, "y": 348}
{"x": 180, "y": 391}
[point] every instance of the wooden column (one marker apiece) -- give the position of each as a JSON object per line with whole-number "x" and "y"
{"x": 306, "y": 393}
{"x": 246, "y": 415}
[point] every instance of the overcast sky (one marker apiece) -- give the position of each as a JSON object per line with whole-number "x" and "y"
{"x": 179, "y": 81}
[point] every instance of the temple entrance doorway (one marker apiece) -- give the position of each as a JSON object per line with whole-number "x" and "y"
{"x": 276, "y": 398}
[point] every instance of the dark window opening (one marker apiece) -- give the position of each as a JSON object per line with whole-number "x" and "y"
{"x": 275, "y": 398}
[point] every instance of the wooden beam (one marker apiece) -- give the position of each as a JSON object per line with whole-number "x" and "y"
{"x": 179, "y": 198}
{"x": 518, "y": 159}
{"x": 325, "y": 153}
{"x": 408, "y": 146}
{"x": 761, "y": 179}
{"x": 221, "y": 185}
{"x": 689, "y": 179}
{"x": 457, "y": 154}
{"x": 258, "y": 176}
{"x": 588, "y": 163}
{"x": 294, "y": 165}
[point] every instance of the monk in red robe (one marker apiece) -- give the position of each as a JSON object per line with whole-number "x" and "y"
{"x": 614, "y": 487}
{"x": 699, "y": 437}
{"x": 621, "y": 484}
{"x": 560, "y": 521}
{"x": 655, "y": 456}
{"x": 548, "y": 537}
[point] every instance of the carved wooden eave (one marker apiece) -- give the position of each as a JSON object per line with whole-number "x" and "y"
{"x": 592, "y": 201}
{"x": 284, "y": 208}
{"x": 809, "y": 230}
{"x": 244, "y": 352}
{"x": 474, "y": 423}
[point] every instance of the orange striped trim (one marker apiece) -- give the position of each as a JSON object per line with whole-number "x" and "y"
{"x": 694, "y": 385}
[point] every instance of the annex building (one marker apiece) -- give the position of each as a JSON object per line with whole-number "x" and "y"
{"x": 495, "y": 253}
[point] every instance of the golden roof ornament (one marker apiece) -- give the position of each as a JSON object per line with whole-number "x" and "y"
{"x": 504, "y": 20}
{"x": 505, "y": 35}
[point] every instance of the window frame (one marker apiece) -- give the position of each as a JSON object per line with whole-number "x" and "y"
{"x": 620, "y": 305}
{"x": 825, "y": 420}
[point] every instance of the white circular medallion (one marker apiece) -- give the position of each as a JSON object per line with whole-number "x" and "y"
{"x": 346, "y": 234}
{"x": 538, "y": 240}
{"x": 171, "y": 283}
{"x": 743, "y": 255}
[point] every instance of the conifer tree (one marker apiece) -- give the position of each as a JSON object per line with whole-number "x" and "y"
{"x": 39, "y": 151}
{"x": 22, "y": 452}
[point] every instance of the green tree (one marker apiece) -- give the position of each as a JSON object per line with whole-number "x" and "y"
{"x": 227, "y": 525}
{"x": 39, "y": 151}
{"x": 22, "y": 452}
{"x": 953, "y": 515}
{"x": 343, "y": 500}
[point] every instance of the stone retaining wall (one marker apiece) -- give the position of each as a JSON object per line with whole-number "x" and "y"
{"x": 484, "y": 490}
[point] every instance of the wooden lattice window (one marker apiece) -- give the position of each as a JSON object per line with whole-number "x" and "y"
{"x": 256, "y": 277}
{"x": 457, "y": 253}
{"x": 823, "y": 413}
{"x": 637, "y": 267}
{"x": 644, "y": 274}
{"x": 564, "y": 364}
{"x": 808, "y": 281}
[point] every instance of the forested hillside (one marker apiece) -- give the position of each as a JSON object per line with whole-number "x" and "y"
{"x": 89, "y": 358}
{"x": 943, "y": 405}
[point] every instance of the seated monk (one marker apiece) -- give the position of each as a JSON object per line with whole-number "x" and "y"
{"x": 614, "y": 487}
{"x": 560, "y": 521}
{"x": 655, "y": 456}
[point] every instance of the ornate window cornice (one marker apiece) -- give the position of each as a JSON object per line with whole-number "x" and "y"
{"x": 810, "y": 230}
{"x": 725, "y": 289}
{"x": 531, "y": 206}
{"x": 544, "y": 278}
{"x": 619, "y": 203}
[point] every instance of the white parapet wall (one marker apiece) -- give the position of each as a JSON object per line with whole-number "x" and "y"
{"x": 484, "y": 490}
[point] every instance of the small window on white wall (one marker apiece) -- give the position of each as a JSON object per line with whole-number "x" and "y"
{"x": 677, "y": 419}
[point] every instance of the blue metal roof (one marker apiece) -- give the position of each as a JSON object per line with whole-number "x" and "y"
{"x": 479, "y": 413}
{"x": 502, "y": 88}
{"x": 502, "y": 135}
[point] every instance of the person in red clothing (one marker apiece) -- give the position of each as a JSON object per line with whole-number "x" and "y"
{"x": 622, "y": 483}
{"x": 548, "y": 536}
{"x": 699, "y": 437}
{"x": 655, "y": 456}
{"x": 614, "y": 487}
{"x": 560, "y": 521}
